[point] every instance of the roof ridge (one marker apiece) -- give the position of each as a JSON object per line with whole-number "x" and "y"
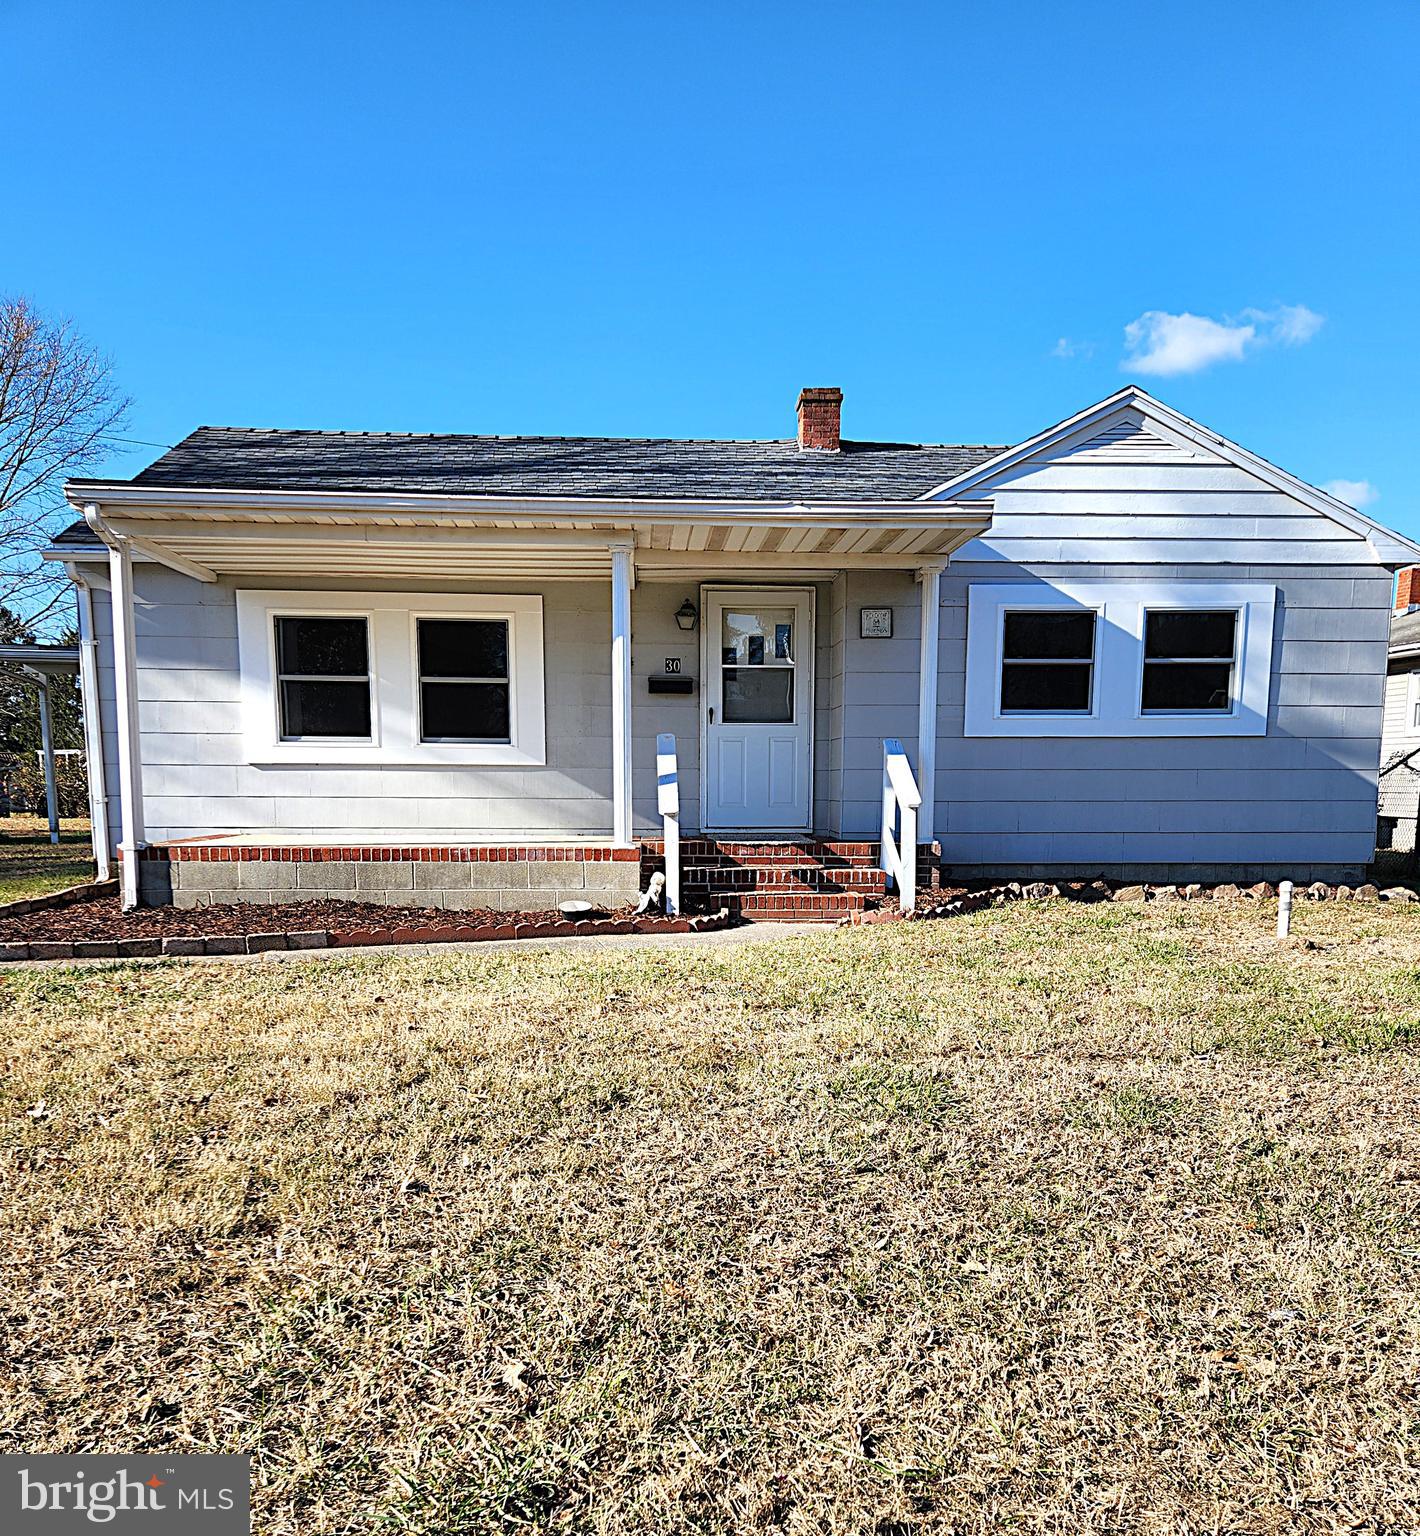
{"x": 582, "y": 437}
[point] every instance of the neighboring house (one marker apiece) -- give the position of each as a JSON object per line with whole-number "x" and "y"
{"x": 1400, "y": 740}
{"x": 1126, "y": 646}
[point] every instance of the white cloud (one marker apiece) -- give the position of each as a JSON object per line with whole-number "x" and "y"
{"x": 1067, "y": 347}
{"x": 1291, "y": 324}
{"x": 1355, "y": 493}
{"x": 1165, "y": 344}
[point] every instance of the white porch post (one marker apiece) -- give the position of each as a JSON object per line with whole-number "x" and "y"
{"x": 929, "y": 577}
{"x": 93, "y": 729}
{"x": 621, "y": 578}
{"x": 46, "y": 738}
{"x": 125, "y": 675}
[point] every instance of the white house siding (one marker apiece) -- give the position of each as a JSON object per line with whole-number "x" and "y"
{"x": 197, "y": 779}
{"x": 1400, "y": 757}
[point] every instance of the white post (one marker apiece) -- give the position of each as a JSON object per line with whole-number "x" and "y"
{"x": 668, "y": 803}
{"x": 93, "y": 732}
{"x": 621, "y": 695}
{"x": 125, "y": 676}
{"x": 1284, "y": 909}
{"x": 930, "y": 577}
{"x": 46, "y": 739}
{"x": 889, "y": 824}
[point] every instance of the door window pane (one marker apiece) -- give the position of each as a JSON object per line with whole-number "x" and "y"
{"x": 323, "y": 678}
{"x": 1047, "y": 662}
{"x": 759, "y": 694}
{"x": 464, "y": 686}
{"x": 1189, "y": 658}
{"x": 757, "y": 661}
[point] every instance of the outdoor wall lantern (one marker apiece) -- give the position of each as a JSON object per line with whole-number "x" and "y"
{"x": 686, "y": 615}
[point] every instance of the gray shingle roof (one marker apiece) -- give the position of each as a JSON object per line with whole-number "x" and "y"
{"x": 245, "y": 458}
{"x": 1404, "y": 630}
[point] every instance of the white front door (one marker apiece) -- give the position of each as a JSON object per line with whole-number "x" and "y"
{"x": 758, "y": 722}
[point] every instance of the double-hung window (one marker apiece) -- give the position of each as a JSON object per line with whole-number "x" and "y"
{"x": 465, "y": 690}
{"x": 388, "y": 679}
{"x": 1047, "y": 661}
{"x": 323, "y": 678}
{"x": 1189, "y": 658}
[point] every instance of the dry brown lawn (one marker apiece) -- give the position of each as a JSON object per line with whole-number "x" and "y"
{"x": 1051, "y": 1219}
{"x": 30, "y": 865}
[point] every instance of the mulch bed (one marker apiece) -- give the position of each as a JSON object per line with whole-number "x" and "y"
{"x": 106, "y": 920}
{"x": 316, "y": 923}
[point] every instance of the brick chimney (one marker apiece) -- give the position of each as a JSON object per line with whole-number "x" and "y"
{"x": 819, "y": 411}
{"x": 1407, "y": 587}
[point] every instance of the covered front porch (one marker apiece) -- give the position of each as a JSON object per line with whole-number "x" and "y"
{"x": 779, "y": 646}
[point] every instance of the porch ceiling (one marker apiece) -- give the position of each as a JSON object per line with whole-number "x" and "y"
{"x": 412, "y": 539}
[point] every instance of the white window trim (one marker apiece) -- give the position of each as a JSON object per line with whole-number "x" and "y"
{"x": 394, "y": 678}
{"x": 1409, "y": 727}
{"x": 1119, "y": 658}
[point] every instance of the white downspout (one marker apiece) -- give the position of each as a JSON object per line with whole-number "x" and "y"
{"x": 125, "y": 677}
{"x": 930, "y": 577}
{"x": 93, "y": 723}
{"x": 621, "y": 580}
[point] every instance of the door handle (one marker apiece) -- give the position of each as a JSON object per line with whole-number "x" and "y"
{"x": 711, "y": 713}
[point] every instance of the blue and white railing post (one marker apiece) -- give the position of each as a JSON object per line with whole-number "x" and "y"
{"x": 898, "y": 848}
{"x": 668, "y": 804}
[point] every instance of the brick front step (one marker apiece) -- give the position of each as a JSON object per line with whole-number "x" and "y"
{"x": 801, "y": 878}
{"x": 792, "y": 907}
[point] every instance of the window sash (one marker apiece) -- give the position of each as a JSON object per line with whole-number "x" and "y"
{"x": 1230, "y": 660}
{"x": 1087, "y": 662}
{"x": 281, "y": 678}
{"x": 425, "y": 679}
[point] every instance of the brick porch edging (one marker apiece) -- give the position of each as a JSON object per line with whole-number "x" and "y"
{"x": 324, "y": 938}
{"x": 386, "y": 853}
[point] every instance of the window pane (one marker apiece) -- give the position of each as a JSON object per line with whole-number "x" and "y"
{"x": 1188, "y": 685}
{"x": 1038, "y": 636}
{"x": 464, "y": 712}
{"x": 757, "y": 638}
{"x": 325, "y": 709}
{"x": 1189, "y": 635}
{"x": 763, "y": 694}
{"x": 463, "y": 647}
{"x": 1059, "y": 688}
{"x": 322, "y": 647}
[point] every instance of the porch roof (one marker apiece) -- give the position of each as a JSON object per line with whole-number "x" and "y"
{"x": 260, "y": 459}
{"x": 209, "y": 532}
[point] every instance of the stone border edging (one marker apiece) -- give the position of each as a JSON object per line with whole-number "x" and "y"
{"x": 1095, "y": 892}
{"x": 349, "y": 938}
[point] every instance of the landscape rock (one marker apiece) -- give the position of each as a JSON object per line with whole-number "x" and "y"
{"x": 1192, "y": 892}
{"x": 1367, "y": 893}
{"x": 1344, "y": 893}
{"x": 1319, "y": 890}
{"x": 1130, "y": 893}
{"x": 1038, "y": 890}
{"x": 1260, "y": 891}
{"x": 1165, "y": 893}
{"x": 1398, "y": 893}
{"x": 1226, "y": 892}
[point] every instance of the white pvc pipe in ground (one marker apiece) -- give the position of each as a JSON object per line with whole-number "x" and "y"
{"x": 1284, "y": 909}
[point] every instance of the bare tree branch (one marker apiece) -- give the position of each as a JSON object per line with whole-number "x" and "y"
{"x": 60, "y": 413}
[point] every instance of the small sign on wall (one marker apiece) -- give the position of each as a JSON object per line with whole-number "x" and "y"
{"x": 875, "y": 623}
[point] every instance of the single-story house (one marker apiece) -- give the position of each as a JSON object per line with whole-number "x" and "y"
{"x": 1400, "y": 735}
{"x": 336, "y": 662}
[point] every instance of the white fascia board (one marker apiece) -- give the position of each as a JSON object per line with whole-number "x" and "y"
{"x": 145, "y": 502}
{"x": 1387, "y": 544}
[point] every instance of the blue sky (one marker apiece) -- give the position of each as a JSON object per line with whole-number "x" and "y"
{"x": 662, "y": 220}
